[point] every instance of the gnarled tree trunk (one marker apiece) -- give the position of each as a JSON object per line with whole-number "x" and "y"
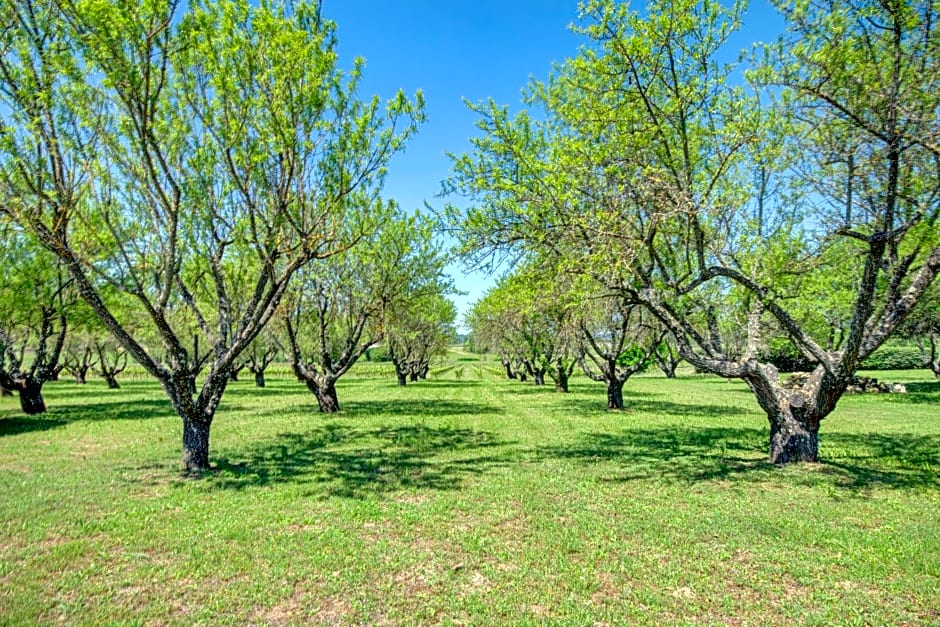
{"x": 30, "y": 391}
{"x": 795, "y": 413}
{"x": 326, "y": 395}
{"x": 793, "y": 439}
{"x": 81, "y": 375}
{"x": 614, "y": 393}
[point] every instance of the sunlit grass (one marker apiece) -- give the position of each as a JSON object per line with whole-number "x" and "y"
{"x": 468, "y": 500}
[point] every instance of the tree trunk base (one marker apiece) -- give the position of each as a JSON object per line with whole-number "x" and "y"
{"x": 791, "y": 441}
{"x": 327, "y": 399}
{"x": 196, "y": 446}
{"x": 31, "y": 401}
{"x": 615, "y": 395}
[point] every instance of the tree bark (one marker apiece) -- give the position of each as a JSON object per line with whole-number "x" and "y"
{"x": 795, "y": 414}
{"x": 31, "y": 400}
{"x": 509, "y": 373}
{"x": 259, "y": 378}
{"x": 561, "y": 377}
{"x": 326, "y": 396}
{"x": 196, "y": 443}
{"x": 111, "y": 380}
{"x": 402, "y": 378}
{"x": 614, "y": 393}
{"x": 792, "y": 440}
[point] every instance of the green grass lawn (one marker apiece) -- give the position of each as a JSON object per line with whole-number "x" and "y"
{"x": 466, "y": 499}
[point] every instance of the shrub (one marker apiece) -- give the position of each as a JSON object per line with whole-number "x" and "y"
{"x": 782, "y": 354}
{"x": 894, "y": 356}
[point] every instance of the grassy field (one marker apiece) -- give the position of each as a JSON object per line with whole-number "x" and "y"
{"x": 466, "y": 499}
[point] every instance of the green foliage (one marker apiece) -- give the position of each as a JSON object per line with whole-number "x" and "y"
{"x": 894, "y": 356}
{"x": 634, "y": 356}
{"x": 785, "y": 357}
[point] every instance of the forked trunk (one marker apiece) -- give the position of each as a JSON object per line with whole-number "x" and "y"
{"x": 614, "y": 393}
{"x": 792, "y": 440}
{"x": 509, "y": 373}
{"x": 112, "y": 381}
{"x": 259, "y": 379}
{"x": 538, "y": 377}
{"x": 413, "y": 377}
{"x": 795, "y": 413}
{"x": 81, "y": 376}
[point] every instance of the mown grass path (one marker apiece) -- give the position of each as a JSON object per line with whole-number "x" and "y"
{"x": 467, "y": 499}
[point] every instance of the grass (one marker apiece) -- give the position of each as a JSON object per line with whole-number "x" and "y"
{"x": 470, "y": 501}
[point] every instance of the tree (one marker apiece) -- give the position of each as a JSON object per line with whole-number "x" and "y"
{"x": 112, "y": 361}
{"x": 337, "y": 308}
{"x": 191, "y": 161}
{"x": 79, "y": 358}
{"x": 923, "y": 326}
{"x": 492, "y": 329}
{"x": 643, "y": 158}
{"x": 417, "y": 330}
{"x": 527, "y": 318}
{"x": 261, "y": 353}
{"x": 667, "y": 356}
{"x": 615, "y": 344}
{"x": 34, "y": 299}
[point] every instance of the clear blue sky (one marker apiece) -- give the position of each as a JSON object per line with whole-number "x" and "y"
{"x": 464, "y": 50}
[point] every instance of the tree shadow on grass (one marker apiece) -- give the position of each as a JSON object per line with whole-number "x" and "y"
{"x": 640, "y": 403}
{"x": 420, "y": 407}
{"x": 919, "y": 393}
{"x": 337, "y": 460}
{"x": 857, "y": 462}
{"x": 60, "y": 414}
{"x": 15, "y": 425}
{"x": 118, "y": 409}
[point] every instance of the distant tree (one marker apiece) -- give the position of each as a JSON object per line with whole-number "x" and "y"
{"x": 112, "y": 361}
{"x": 416, "y": 331}
{"x": 492, "y": 330}
{"x": 34, "y": 298}
{"x": 191, "y": 161}
{"x": 337, "y": 309}
{"x": 615, "y": 343}
{"x": 79, "y": 358}
{"x": 527, "y": 318}
{"x": 261, "y": 353}
{"x": 923, "y": 327}
{"x": 667, "y": 356}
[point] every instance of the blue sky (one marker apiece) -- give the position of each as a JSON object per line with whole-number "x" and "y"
{"x": 458, "y": 50}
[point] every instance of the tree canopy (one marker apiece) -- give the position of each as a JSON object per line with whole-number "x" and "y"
{"x": 645, "y": 163}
